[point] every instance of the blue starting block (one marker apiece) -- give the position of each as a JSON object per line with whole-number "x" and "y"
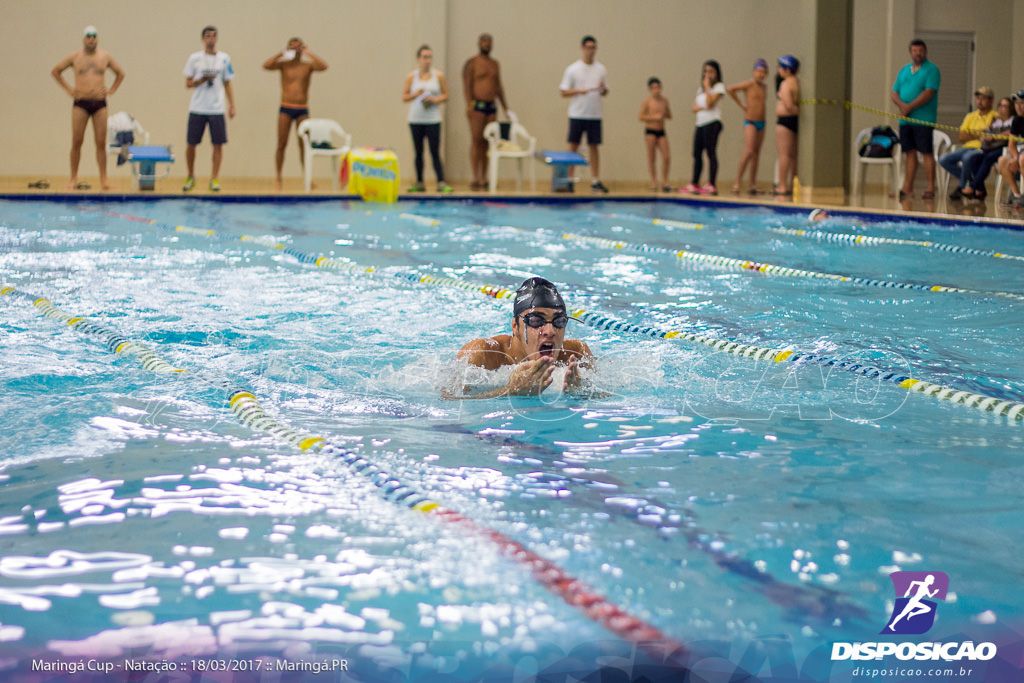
{"x": 144, "y": 159}
{"x": 561, "y": 163}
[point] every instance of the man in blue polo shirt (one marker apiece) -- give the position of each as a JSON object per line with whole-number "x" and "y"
{"x": 915, "y": 94}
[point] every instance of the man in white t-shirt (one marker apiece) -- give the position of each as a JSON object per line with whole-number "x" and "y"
{"x": 209, "y": 73}
{"x": 585, "y": 82}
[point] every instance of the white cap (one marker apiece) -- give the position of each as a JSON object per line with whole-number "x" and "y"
{"x": 90, "y": 30}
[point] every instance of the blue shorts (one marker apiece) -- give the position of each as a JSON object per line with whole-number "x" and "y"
{"x": 197, "y": 123}
{"x": 758, "y": 125}
{"x": 294, "y": 112}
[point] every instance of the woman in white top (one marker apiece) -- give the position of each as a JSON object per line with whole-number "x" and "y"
{"x": 709, "y": 125}
{"x": 426, "y": 88}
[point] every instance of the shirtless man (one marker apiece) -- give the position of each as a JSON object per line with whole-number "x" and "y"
{"x": 753, "y": 105}
{"x": 653, "y": 113}
{"x": 787, "y": 109}
{"x": 295, "y": 77}
{"x": 90, "y": 99}
{"x": 536, "y": 345}
{"x": 481, "y": 80}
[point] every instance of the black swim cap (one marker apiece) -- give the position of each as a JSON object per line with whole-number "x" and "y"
{"x": 537, "y": 292}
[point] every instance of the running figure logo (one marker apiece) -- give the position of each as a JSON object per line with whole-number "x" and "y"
{"x": 914, "y": 612}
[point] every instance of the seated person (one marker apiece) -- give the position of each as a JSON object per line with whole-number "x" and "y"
{"x": 979, "y": 165}
{"x": 536, "y": 345}
{"x": 969, "y": 137}
{"x": 1010, "y": 164}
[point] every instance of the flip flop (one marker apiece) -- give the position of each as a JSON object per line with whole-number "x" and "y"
{"x": 928, "y": 194}
{"x": 83, "y": 186}
{"x": 39, "y": 185}
{"x": 906, "y": 195}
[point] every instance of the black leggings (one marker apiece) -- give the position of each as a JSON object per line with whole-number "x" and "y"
{"x": 705, "y": 139}
{"x": 432, "y": 132}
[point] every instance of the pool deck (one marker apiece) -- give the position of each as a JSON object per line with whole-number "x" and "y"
{"x": 875, "y": 199}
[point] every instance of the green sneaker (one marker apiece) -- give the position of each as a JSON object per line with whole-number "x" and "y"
{"x": 444, "y": 188}
{"x": 189, "y": 184}
{"x": 214, "y": 185}
{"x": 417, "y": 187}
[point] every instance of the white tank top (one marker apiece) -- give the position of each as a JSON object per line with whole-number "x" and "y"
{"x": 432, "y": 86}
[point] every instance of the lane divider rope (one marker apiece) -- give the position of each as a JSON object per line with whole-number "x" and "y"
{"x": 906, "y": 119}
{"x": 251, "y": 414}
{"x": 1010, "y": 409}
{"x": 770, "y": 269}
{"x": 868, "y": 240}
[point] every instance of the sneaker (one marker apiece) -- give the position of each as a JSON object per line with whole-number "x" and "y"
{"x": 958, "y": 193}
{"x": 708, "y": 188}
{"x": 189, "y": 184}
{"x": 598, "y": 186}
{"x": 214, "y": 185}
{"x": 444, "y": 188}
{"x": 1018, "y": 199}
{"x": 417, "y": 187}
{"x": 690, "y": 189}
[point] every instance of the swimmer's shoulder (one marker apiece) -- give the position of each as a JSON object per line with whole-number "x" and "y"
{"x": 489, "y": 353}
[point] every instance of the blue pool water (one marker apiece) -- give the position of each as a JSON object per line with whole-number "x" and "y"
{"x": 749, "y": 509}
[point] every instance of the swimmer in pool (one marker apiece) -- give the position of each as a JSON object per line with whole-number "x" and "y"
{"x": 537, "y": 344}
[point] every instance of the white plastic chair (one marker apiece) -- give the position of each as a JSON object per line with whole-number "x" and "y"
{"x": 520, "y": 145}
{"x": 893, "y": 162}
{"x": 123, "y": 121}
{"x": 999, "y": 182}
{"x": 318, "y": 139}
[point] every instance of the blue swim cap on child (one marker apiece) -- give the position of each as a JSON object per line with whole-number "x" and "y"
{"x": 537, "y": 292}
{"x": 761, "y": 64}
{"x": 790, "y": 62}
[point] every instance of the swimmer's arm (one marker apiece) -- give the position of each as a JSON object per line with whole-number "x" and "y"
{"x": 118, "y": 75}
{"x": 467, "y": 83}
{"x": 529, "y": 378}
{"x": 317, "y": 63}
{"x": 58, "y": 73}
{"x": 644, "y": 114}
{"x": 273, "y": 64}
{"x": 733, "y": 89}
{"x": 499, "y": 93}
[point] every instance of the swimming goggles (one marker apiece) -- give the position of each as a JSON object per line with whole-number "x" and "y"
{"x": 537, "y": 320}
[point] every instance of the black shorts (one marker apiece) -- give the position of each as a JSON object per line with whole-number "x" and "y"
{"x": 592, "y": 127}
{"x": 655, "y": 133}
{"x": 485, "y": 108}
{"x": 914, "y": 137}
{"x": 790, "y": 122}
{"x": 197, "y": 124}
{"x": 90, "y": 107}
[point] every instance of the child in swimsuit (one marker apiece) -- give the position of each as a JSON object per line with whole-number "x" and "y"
{"x": 653, "y": 114}
{"x": 753, "y": 105}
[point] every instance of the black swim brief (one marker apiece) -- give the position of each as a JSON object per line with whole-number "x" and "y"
{"x": 655, "y": 133}
{"x": 294, "y": 112}
{"x": 487, "y": 108}
{"x": 90, "y": 106}
{"x": 790, "y": 122}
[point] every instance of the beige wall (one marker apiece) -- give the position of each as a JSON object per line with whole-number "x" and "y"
{"x": 370, "y": 47}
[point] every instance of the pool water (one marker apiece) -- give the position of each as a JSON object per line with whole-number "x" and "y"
{"x": 739, "y": 506}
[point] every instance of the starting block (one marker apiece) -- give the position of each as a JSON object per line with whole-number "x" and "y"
{"x": 144, "y": 159}
{"x": 561, "y": 163}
